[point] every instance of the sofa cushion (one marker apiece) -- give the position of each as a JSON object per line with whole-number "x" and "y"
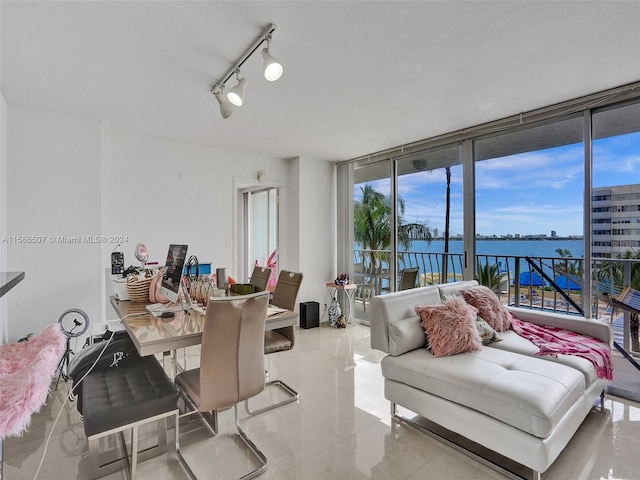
{"x": 405, "y": 335}
{"x": 489, "y": 307}
{"x": 513, "y": 342}
{"x": 530, "y": 394}
{"x": 487, "y": 334}
{"x": 450, "y": 326}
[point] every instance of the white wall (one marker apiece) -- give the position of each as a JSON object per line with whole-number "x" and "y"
{"x": 53, "y": 185}
{"x": 159, "y": 192}
{"x": 71, "y": 176}
{"x": 4, "y": 325}
{"x": 316, "y": 232}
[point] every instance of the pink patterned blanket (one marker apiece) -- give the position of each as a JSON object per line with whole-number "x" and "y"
{"x": 26, "y": 369}
{"x": 554, "y": 341}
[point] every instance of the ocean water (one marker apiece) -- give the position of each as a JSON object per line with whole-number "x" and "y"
{"x": 498, "y": 248}
{"x": 531, "y": 248}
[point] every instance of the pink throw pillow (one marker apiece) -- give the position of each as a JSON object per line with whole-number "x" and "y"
{"x": 489, "y": 307}
{"x": 450, "y": 326}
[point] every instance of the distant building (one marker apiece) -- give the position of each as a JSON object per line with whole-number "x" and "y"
{"x": 615, "y": 220}
{"x": 553, "y": 234}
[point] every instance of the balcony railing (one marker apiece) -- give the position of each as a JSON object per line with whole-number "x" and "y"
{"x": 546, "y": 283}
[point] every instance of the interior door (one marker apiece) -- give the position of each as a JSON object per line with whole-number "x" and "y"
{"x": 261, "y": 230}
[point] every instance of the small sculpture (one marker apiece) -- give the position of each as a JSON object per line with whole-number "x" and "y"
{"x": 334, "y": 312}
{"x": 141, "y": 253}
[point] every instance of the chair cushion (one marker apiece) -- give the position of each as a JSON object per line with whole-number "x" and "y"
{"x": 275, "y": 342}
{"x": 114, "y": 397}
{"x": 189, "y": 383}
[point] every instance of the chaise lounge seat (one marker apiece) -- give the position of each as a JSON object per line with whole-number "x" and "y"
{"x": 504, "y": 397}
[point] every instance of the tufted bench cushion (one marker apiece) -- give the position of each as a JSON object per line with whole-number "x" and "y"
{"x": 114, "y": 397}
{"x": 512, "y": 342}
{"x": 137, "y": 392}
{"x": 501, "y": 384}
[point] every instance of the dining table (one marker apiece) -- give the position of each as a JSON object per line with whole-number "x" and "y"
{"x": 152, "y": 334}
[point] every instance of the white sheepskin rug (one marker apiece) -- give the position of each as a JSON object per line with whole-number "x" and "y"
{"x": 26, "y": 369}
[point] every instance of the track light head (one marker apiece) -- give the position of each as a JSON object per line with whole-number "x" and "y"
{"x": 226, "y": 108}
{"x": 236, "y": 94}
{"x": 272, "y": 67}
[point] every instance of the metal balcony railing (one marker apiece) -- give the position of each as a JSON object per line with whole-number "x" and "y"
{"x": 545, "y": 283}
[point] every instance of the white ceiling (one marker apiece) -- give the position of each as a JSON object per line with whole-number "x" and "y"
{"x": 359, "y": 76}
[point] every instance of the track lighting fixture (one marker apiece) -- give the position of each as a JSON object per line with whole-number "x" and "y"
{"x": 235, "y": 96}
{"x": 226, "y": 107}
{"x": 272, "y": 67}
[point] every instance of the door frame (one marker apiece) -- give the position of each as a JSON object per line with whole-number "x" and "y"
{"x": 241, "y": 185}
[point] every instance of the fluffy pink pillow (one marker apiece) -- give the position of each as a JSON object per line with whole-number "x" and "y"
{"x": 450, "y": 326}
{"x": 489, "y": 307}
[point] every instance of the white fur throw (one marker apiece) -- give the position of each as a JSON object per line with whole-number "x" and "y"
{"x": 26, "y": 369}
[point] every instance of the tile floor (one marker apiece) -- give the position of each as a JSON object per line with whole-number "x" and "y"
{"x": 340, "y": 429}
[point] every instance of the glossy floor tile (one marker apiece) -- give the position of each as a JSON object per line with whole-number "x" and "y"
{"x": 339, "y": 429}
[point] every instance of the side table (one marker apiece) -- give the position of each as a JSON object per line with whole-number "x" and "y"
{"x": 349, "y": 291}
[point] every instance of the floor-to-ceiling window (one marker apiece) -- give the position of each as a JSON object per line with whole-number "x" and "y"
{"x": 616, "y": 212}
{"x": 372, "y": 229}
{"x": 520, "y": 210}
{"x": 430, "y": 216}
{"x": 529, "y": 185}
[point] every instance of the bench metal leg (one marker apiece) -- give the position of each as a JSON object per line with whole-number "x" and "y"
{"x": 531, "y": 474}
{"x": 105, "y": 463}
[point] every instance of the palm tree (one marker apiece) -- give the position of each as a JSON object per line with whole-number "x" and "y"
{"x": 489, "y": 276}
{"x": 573, "y": 267}
{"x": 445, "y": 262}
{"x": 373, "y": 226}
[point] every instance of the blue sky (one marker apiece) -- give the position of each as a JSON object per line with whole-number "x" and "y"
{"x": 529, "y": 193}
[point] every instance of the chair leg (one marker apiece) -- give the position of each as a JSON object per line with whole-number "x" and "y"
{"x": 293, "y": 396}
{"x": 263, "y": 461}
{"x": 211, "y": 422}
{"x": 182, "y": 460}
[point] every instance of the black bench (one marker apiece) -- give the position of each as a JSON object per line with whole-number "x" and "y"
{"x": 117, "y": 399}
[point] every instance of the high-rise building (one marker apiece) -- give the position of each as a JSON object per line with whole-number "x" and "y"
{"x": 615, "y": 220}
